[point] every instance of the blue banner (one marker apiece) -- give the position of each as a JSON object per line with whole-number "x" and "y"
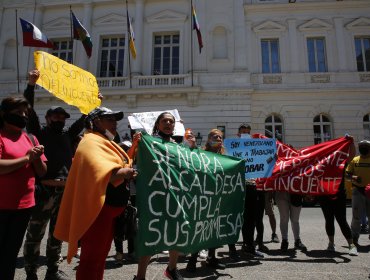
{"x": 259, "y": 155}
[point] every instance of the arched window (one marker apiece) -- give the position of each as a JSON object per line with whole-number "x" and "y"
{"x": 10, "y": 52}
{"x": 219, "y": 43}
{"x": 366, "y": 126}
{"x": 274, "y": 127}
{"x": 322, "y": 129}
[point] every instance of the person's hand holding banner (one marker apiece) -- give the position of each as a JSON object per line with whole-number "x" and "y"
{"x": 67, "y": 82}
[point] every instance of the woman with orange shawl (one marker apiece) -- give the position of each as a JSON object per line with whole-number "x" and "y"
{"x": 86, "y": 213}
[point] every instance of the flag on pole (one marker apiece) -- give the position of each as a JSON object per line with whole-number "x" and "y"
{"x": 33, "y": 37}
{"x": 80, "y": 33}
{"x": 131, "y": 37}
{"x": 197, "y": 28}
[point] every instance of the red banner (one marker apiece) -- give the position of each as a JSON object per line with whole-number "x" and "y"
{"x": 314, "y": 170}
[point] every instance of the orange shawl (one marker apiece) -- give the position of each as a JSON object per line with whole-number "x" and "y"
{"x": 84, "y": 194}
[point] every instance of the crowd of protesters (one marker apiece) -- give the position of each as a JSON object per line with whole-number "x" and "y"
{"x": 82, "y": 193}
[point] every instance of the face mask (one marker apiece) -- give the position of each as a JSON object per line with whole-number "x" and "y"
{"x": 109, "y": 135}
{"x": 16, "y": 120}
{"x": 363, "y": 150}
{"x": 57, "y": 126}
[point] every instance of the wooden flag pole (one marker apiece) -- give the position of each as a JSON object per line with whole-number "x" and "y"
{"x": 71, "y": 19}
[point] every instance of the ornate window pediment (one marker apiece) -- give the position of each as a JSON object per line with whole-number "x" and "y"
{"x": 315, "y": 25}
{"x": 61, "y": 23}
{"x": 167, "y": 16}
{"x": 269, "y": 26}
{"x": 360, "y": 23}
{"x": 111, "y": 19}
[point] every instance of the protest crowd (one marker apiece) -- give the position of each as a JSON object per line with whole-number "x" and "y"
{"x": 92, "y": 188}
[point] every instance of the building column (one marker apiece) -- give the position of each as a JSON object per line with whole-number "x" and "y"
{"x": 139, "y": 32}
{"x": 341, "y": 44}
{"x": 240, "y": 57}
{"x": 293, "y": 46}
{"x": 249, "y": 48}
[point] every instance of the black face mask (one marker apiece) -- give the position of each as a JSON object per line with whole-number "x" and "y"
{"x": 16, "y": 120}
{"x": 363, "y": 150}
{"x": 57, "y": 126}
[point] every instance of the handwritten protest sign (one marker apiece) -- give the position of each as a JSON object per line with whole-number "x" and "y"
{"x": 145, "y": 121}
{"x": 188, "y": 199}
{"x": 314, "y": 170}
{"x": 259, "y": 155}
{"x": 67, "y": 82}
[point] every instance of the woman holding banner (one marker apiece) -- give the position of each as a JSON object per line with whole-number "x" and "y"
{"x": 164, "y": 127}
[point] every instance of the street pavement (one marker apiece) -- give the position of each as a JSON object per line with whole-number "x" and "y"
{"x": 316, "y": 263}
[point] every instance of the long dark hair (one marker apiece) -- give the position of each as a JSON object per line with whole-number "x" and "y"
{"x": 8, "y": 104}
{"x": 156, "y": 124}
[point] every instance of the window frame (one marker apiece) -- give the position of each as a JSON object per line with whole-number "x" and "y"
{"x": 120, "y": 37}
{"x": 321, "y": 137}
{"x": 58, "y": 52}
{"x": 162, "y": 46}
{"x": 269, "y": 40}
{"x": 274, "y": 124}
{"x": 363, "y": 51}
{"x": 316, "y": 61}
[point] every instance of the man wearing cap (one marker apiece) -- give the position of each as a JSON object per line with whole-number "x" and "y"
{"x": 94, "y": 175}
{"x": 358, "y": 171}
{"x": 58, "y": 144}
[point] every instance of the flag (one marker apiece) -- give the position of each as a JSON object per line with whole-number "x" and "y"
{"x": 80, "y": 33}
{"x": 196, "y": 27}
{"x": 131, "y": 37}
{"x": 33, "y": 37}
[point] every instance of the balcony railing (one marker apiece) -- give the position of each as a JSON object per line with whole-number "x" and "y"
{"x": 146, "y": 81}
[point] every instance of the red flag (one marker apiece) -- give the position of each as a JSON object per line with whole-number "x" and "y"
{"x": 33, "y": 37}
{"x": 314, "y": 170}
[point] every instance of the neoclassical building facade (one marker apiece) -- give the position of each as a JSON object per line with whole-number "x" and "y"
{"x": 295, "y": 70}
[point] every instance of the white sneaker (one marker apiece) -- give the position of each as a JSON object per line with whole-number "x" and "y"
{"x": 352, "y": 250}
{"x": 165, "y": 252}
{"x": 203, "y": 254}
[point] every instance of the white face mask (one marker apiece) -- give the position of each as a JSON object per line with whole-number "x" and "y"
{"x": 109, "y": 135}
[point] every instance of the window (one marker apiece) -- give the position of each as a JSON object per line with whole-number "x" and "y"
{"x": 366, "y": 126}
{"x": 112, "y": 57}
{"x": 362, "y": 45}
{"x": 270, "y": 56}
{"x": 316, "y": 55}
{"x": 274, "y": 127}
{"x": 322, "y": 129}
{"x": 63, "y": 49}
{"x": 166, "y": 52}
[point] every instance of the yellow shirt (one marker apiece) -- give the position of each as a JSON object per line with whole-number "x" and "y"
{"x": 360, "y": 167}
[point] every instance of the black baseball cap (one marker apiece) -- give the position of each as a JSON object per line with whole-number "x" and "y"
{"x": 104, "y": 111}
{"x": 57, "y": 110}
